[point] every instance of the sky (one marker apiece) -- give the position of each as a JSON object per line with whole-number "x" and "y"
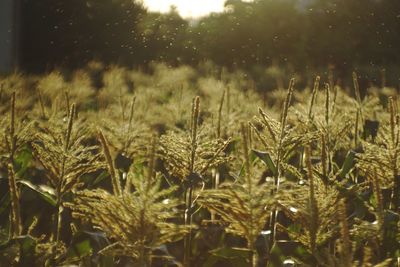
{"x": 186, "y": 8}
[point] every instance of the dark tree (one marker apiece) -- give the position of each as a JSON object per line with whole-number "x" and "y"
{"x": 70, "y": 33}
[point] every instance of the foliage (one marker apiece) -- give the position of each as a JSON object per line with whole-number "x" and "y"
{"x": 137, "y": 173}
{"x": 137, "y": 221}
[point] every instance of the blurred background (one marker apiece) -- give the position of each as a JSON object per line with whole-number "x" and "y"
{"x": 276, "y": 36}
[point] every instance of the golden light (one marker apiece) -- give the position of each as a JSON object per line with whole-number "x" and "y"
{"x": 186, "y": 8}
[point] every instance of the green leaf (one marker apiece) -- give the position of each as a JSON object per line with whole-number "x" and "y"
{"x": 100, "y": 178}
{"x": 45, "y": 192}
{"x": 83, "y": 248}
{"x": 266, "y": 158}
{"x": 27, "y": 245}
{"x": 241, "y": 171}
{"x": 237, "y": 256}
{"x": 231, "y": 253}
{"x": 348, "y": 164}
{"x": 85, "y": 243}
{"x": 22, "y": 160}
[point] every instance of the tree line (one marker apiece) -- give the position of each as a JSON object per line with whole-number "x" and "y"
{"x": 294, "y": 34}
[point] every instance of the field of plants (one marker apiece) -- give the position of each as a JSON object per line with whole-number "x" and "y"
{"x": 178, "y": 167}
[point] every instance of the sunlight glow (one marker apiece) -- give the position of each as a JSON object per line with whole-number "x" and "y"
{"x": 187, "y": 8}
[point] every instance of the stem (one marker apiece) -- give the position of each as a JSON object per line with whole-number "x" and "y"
{"x": 188, "y": 222}
{"x": 253, "y": 256}
{"x": 312, "y": 201}
{"x": 358, "y": 95}
{"x": 245, "y": 138}
{"x": 221, "y": 103}
{"x": 60, "y": 184}
{"x": 16, "y": 226}
{"x": 282, "y": 134}
{"x": 356, "y": 129}
{"x": 274, "y": 217}
{"x": 327, "y": 124}
{"x": 324, "y": 161}
{"x": 327, "y": 103}
{"x": 127, "y": 139}
{"x": 251, "y": 237}
{"x": 189, "y": 190}
{"x": 313, "y": 97}
{"x": 14, "y": 193}
{"x": 142, "y": 256}
{"x": 13, "y": 139}
{"x": 195, "y": 121}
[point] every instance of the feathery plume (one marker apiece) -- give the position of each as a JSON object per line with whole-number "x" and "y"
{"x": 110, "y": 163}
